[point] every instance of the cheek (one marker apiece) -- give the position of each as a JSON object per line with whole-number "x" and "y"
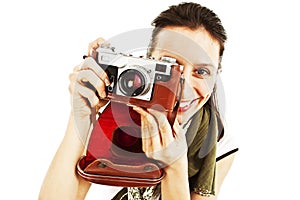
{"x": 204, "y": 87}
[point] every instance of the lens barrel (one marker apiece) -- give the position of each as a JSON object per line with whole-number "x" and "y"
{"x": 132, "y": 83}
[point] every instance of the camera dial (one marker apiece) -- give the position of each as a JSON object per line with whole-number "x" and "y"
{"x": 168, "y": 59}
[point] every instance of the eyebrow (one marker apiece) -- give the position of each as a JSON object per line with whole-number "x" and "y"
{"x": 195, "y": 65}
{"x": 209, "y": 65}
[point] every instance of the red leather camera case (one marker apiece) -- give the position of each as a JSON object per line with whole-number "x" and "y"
{"x": 114, "y": 152}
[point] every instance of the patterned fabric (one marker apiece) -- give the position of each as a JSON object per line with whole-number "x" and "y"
{"x": 135, "y": 193}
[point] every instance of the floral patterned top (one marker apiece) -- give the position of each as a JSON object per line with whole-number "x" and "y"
{"x": 135, "y": 193}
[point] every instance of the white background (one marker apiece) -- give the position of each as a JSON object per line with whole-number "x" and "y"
{"x": 41, "y": 42}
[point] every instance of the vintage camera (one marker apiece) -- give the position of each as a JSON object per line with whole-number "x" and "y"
{"x": 140, "y": 81}
{"x": 114, "y": 153}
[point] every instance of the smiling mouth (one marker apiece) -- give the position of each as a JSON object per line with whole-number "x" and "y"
{"x": 185, "y": 105}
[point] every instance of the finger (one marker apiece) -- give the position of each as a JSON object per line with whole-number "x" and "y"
{"x": 164, "y": 127}
{"x": 176, "y": 127}
{"x": 154, "y": 136}
{"x": 101, "y": 104}
{"x": 181, "y": 130}
{"x": 71, "y": 87}
{"x": 95, "y": 44}
{"x": 150, "y": 131}
{"x": 87, "y": 76}
{"x": 145, "y": 136}
{"x": 87, "y": 94}
{"x": 90, "y": 64}
{"x": 72, "y": 76}
{"x": 144, "y": 130}
{"x": 76, "y": 68}
{"x": 71, "y": 90}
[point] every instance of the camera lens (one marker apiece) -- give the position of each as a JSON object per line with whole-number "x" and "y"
{"x": 132, "y": 83}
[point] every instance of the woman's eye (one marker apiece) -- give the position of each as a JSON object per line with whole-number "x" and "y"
{"x": 202, "y": 72}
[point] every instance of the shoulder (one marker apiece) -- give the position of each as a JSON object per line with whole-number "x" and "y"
{"x": 226, "y": 146}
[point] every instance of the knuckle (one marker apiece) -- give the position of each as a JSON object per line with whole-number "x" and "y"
{"x": 72, "y": 76}
{"x": 82, "y": 76}
{"x": 71, "y": 88}
{"x": 76, "y": 68}
{"x": 149, "y": 154}
{"x": 155, "y": 133}
{"x": 144, "y": 149}
{"x": 150, "y": 119}
{"x": 166, "y": 127}
{"x": 103, "y": 74}
{"x": 92, "y": 44}
{"x": 99, "y": 83}
{"x": 95, "y": 101}
{"x": 100, "y": 40}
{"x": 86, "y": 111}
{"x": 96, "y": 42}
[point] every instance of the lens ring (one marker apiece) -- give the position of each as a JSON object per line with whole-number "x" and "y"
{"x": 132, "y": 83}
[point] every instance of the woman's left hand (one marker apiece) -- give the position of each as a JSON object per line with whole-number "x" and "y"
{"x": 161, "y": 141}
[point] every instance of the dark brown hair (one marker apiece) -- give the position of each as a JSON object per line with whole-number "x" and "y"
{"x": 192, "y": 16}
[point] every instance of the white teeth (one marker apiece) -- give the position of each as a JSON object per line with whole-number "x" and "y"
{"x": 184, "y": 104}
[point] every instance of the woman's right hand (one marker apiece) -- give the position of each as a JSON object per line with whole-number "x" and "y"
{"x": 87, "y": 89}
{"x": 62, "y": 181}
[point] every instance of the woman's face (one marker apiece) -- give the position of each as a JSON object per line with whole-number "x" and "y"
{"x": 199, "y": 54}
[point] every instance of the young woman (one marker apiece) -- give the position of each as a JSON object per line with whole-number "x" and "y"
{"x": 197, "y": 150}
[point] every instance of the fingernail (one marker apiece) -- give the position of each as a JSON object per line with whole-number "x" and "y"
{"x": 96, "y": 101}
{"x": 136, "y": 108}
{"x": 103, "y": 94}
{"x": 107, "y": 83}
